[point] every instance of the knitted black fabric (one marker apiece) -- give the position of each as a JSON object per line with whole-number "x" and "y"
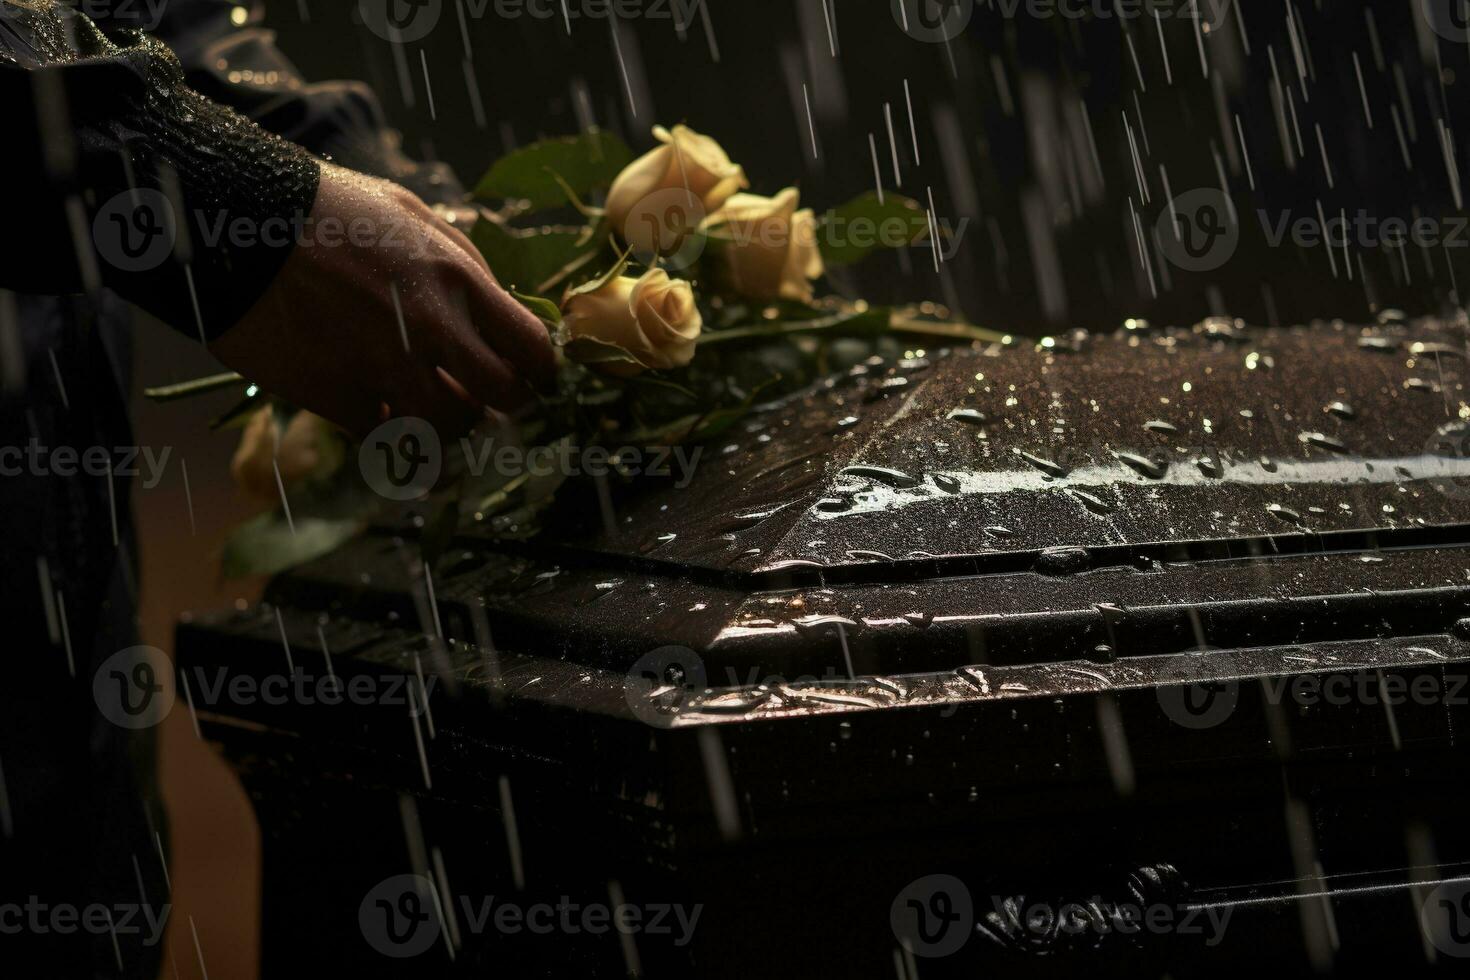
{"x": 125, "y": 177}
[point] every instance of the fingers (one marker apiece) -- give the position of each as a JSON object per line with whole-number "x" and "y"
{"x": 440, "y": 400}
{"x": 507, "y": 326}
{"x": 462, "y": 242}
{"x": 515, "y": 334}
{"x": 475, "y": 370}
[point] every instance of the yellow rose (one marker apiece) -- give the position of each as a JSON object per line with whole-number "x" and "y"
{"x": 686, "y": 160}
{"x": 769, "y": 247}
{"x": 653, "y": 318}
{"x": 298, "y": 452}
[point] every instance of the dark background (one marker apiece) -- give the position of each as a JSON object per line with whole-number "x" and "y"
{"x": 1010, "y": 159}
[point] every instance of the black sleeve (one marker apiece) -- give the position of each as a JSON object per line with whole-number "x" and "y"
{"x": 118, "y": 174}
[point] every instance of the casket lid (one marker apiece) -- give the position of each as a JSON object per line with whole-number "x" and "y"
{"x": 1215, "y": 434}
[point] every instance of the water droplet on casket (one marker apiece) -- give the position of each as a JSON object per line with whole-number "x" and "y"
{"x": 1323, "y": 441}
{"x": 1062, "y": 560}
{"x": 1421, "y": 348}
{"x": 1210, "y": 466}
{"x": 1284, "y": 513}
{"x": 1091, "y": 501}
{"x": 749, "y": 519}
{"x": 969, "y": 416}
{"x": 817, "y": 622}
{"x": 947, "y": 483}
{"x": 896, "y": 479}
{"x": 1049, "y": 467}
{"x": 1154, "y": 468}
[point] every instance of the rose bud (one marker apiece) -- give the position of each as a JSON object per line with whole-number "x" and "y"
{"x": 768, "y": 248}
{"x": 652, "y": 319}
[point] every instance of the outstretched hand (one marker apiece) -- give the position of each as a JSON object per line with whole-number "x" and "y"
{"x": 385, "y": 310}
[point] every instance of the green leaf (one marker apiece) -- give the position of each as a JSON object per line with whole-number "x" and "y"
{"x": 523, "y": 259}
{"x": 594, "y": 284}
{"x": 575, "y": 199}
{"x": 544, "y": 309}
{"x": 583, "y": 163}
{"x": 862, "y": 225}
{"x": 265, "y": 545}
{"x": 588, "y": 253}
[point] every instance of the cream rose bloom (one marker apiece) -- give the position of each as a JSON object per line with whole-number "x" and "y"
{"x": 685, "y": 160}
{"x": 653, "y": 318}
{"x": 299, "y": 452}
{"x": 769, "y": 247}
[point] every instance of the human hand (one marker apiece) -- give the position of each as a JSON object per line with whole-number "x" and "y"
{"x": 382, "y": 310}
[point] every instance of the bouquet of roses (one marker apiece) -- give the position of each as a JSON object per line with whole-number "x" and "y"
{"x": 675, "y": 303}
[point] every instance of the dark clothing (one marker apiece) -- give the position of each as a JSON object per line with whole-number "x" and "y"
{"x": 99, "y": 116}
{"x": 204, "y": 114}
